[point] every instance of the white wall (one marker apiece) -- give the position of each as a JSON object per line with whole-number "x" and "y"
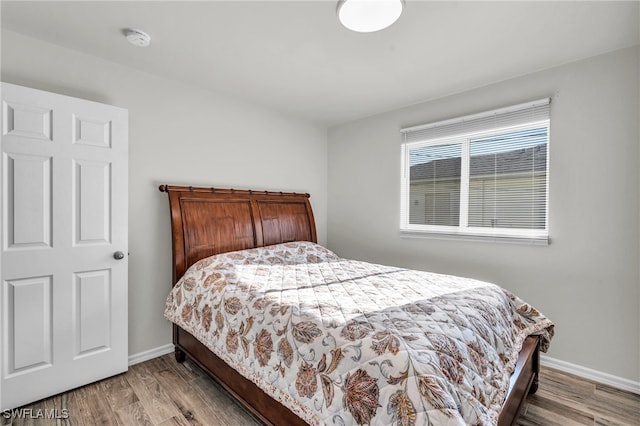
{"x": 178, "y": 134}
{"x": 587, "y": 280}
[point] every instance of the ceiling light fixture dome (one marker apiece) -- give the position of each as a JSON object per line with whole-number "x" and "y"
{"x": 366, "y": 16}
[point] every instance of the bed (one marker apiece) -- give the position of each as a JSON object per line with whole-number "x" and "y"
{"x": 236, "y": 254}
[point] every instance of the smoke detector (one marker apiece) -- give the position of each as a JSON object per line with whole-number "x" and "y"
{"x": 137, "y": 37}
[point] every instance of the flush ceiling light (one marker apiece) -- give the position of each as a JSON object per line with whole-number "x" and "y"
{"x": 366, "y": 16}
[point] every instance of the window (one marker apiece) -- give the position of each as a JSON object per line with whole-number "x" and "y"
{"x": 484, "y": 175}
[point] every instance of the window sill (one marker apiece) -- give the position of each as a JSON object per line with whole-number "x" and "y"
{"x": 539, "y": 241}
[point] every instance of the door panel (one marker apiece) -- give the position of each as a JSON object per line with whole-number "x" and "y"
{"x": 27, "y": 196}
{"x": 29, "y": 324}
{"x": 92, "y": 310}
{"x": 92, "y": 200}
{"x": 64, "y": 213}
{"x": 92, "y": 132}
{"x": 28, "y": 121}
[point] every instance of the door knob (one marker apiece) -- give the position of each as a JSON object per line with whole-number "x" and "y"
{"x": 118, "y": 255}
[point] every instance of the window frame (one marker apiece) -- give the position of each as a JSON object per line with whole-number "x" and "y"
{"x": 463, "y": 230}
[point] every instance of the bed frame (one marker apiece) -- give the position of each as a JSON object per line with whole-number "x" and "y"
{"x": 208, "y": 221}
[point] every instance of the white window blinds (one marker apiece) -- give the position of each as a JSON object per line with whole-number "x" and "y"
{"x": 481, "y": 175}
{"x": 485, "y": 121}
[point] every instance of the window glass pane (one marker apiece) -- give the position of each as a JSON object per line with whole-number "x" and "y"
{"x": 508, "y": 181}
{"x": 434, "y": 185}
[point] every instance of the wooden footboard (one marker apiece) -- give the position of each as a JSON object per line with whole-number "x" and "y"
{"x": 524, "y": 381}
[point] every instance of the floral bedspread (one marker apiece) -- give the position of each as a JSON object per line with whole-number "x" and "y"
{"x": 341, "y": 342}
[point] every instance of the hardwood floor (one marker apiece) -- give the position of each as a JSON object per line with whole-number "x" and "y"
{"x": 161, "y": 392}
{"x": 563, "y": 400}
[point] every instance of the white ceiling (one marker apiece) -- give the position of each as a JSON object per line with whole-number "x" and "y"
{"x": 295, "y": 57}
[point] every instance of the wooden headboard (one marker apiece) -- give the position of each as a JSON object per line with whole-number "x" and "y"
{"x": 208, "y": 221}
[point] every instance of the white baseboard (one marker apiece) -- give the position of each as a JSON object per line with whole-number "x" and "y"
{"x": 594, "y": 375}
{"x": 150, "y": 354}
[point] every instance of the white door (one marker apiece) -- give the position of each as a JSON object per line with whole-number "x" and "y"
{"x": 63, "y": 319}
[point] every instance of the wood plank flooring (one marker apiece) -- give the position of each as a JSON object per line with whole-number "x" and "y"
{"x": 161, "y": 392}
{"x": 564, "y": 399}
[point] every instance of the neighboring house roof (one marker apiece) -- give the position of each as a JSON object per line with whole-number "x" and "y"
{"x": 517, "y": 161}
